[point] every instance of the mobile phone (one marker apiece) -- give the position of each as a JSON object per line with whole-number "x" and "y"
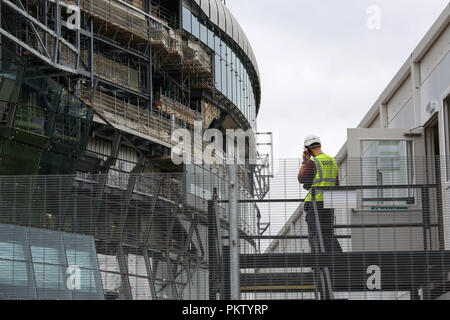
{"x": 308, "y": 151}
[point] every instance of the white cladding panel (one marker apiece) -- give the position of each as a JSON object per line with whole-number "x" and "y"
{"x": 221, "y": 11}
{"x": 213, "y": 15}
{"x": 376, "y": 123}
{"x": 435, "y": 55}
{"x": 399, "y": 100}
{"x": 205, "y": 6}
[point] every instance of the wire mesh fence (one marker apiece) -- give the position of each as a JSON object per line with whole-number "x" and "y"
{"x": 150, "y": 233}
{"x": 383, "y": 234}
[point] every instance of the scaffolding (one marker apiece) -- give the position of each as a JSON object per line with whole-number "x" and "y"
{"x": 121, "y": 74}
{"x": 197, "y": 61}
{"x": 117, "y": 18}
{"x": 132, "y": 118}
{"x": 116, "y": 63}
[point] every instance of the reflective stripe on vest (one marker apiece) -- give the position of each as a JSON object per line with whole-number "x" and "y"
{"x": 321, "y": 178}
{"x": 324, "y": 177}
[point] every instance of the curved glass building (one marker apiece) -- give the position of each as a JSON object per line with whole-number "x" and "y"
{"x": 91, "y": 204}
{"x": 236, "y": 70}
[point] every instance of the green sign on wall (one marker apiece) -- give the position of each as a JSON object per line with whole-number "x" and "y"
{"x": 388, "y": 209}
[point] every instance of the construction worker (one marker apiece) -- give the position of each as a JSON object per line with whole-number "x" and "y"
{"x": 319, "y": 170}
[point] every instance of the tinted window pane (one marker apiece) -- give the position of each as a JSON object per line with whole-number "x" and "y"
{"x": 233, "y": 59}
{"x": 203, "y": 34}
{"x": 13, "y": 273}
{"x": 218, "y": 72}
{"x": 48, "y": 276}
{"x": 217, "y": 46}
{"x": 223, "y": 50}
{"x": 230, "y": 88}
{"x": 39, "y": 92}
{"x": 224, "y": 76}
{"x": 187, "y": 20}
{"x": 195, "y": 27}
{"x": 210, "y": 39}
{"x": 44, "y": 254}
{"x": 80, "y": 251}
{"x": 388, "y": 163}
{"x": 11, "y": 73}
{"x": 235, "y": 88}
{"x": 12, "y": 250}
{"x": 81, "y": 257}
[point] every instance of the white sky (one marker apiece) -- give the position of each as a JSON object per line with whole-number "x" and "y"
{"x": 321, "y": 67}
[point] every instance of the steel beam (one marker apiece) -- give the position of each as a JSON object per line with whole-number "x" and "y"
{"x": 158, "y": 189}
{"x": 118, "y": 47}
{"x": 37, "y": 53}
{"x": 173, "y": 215}
{"x": 215, "y": 252}
{"x": 123, "y": 266}
{"x": 117, "y": 86}
{"x": 151, "y": 280}
{"x": 104, "y": 174}
{"x": 138, "y": 168}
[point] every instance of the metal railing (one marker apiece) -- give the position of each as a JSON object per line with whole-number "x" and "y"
{"x": 155, "y": 125}
{"x": 145, "y": 224}
{"x": 117, "y": 13}
{"x": 392, "y": 232}
{"x": 164, "y": 14}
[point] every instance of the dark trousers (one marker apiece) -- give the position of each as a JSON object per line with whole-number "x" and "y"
{"x": 326, "y": 217}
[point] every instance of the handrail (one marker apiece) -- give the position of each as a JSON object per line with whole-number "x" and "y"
{"x": 339, "y": 188}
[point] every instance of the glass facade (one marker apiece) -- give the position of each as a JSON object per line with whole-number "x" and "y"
{"x": 231, "y": 76}
{"x": 44, "y": 264}
{"x": 50, "y": 126}
{"x": 193, "y": 287}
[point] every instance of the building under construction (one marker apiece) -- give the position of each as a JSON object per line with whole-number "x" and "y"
{"x": 93, "y": 207}
{"x": 91, "y": 91}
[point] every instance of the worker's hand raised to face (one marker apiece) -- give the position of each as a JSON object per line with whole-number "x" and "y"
{"x": 306, "y": 155}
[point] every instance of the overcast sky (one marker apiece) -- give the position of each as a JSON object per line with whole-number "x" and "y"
{"x": 322, "y": 68}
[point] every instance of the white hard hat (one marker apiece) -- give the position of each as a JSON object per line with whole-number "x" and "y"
{"x": 312, "y": 139}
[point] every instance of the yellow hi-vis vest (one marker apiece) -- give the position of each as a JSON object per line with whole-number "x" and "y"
{"x": 326, "y": 175}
